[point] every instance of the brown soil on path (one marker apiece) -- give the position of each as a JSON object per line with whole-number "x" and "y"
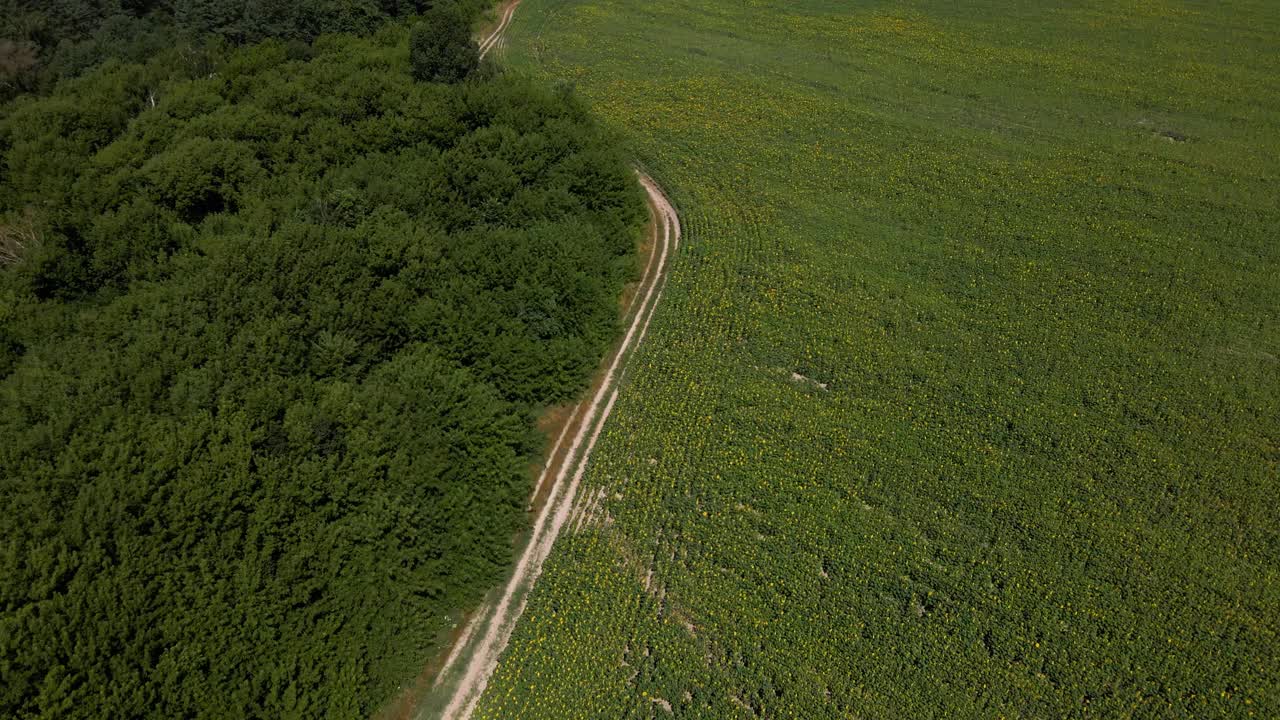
{"x": 554, "y": 424}
{"x": 482, "y": 661}
{"x": 627, "y": 300}
{"x": 505, "y": 12}
{"x": 563, "y": 421}
{"x": 552, "y": 421}
{"x": 404, "y": 705}
{"x": 553, "y": 499}
{"x": 559, "y": 423}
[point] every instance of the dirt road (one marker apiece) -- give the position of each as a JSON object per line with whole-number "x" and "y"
{"x": 505, "y": 12}
{"x": 485, "y": 638}
{"x": 484, "y": 642}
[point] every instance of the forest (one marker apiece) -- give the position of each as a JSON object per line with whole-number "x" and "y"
{"x": 276, "y": 320}
{"x": 43, "y": 41}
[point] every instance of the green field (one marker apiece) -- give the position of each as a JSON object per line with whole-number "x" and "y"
{"x": 963, "y": 399}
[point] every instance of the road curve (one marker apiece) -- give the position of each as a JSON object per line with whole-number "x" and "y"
{"x": 506, "y": 11}
{"x": 493, "y": 629}
{"x": 486, "y": 636}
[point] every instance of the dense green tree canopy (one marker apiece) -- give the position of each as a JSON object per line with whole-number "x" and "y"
{"x": 42, "y": 41}
{"x": 268, "y": 369}
{"x": 440, "y": 47}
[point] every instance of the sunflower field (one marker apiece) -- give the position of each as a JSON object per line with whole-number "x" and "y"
{"x": 964, "y": 396}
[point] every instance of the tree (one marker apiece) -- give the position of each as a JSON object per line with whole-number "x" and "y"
{"x": 208, "y": 16}
{"x": 441, "y": 48}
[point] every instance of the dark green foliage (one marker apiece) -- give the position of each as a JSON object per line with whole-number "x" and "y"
{"x": 253, "y": 20}
{"x": 199, "y": 176}
{"x": 266, "y": 386}
{"x": 220, "y": 17}
{"x": 440, "y": 47}
{"x": 43, "y": 41}
{"x": 120, "y": 36}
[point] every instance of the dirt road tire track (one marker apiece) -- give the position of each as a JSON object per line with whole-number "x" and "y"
{"x": 491, "y": 40}
{"x": 510, "y": 605}
{"x": 494, "y": 624}
{"x": 557, "y": 455}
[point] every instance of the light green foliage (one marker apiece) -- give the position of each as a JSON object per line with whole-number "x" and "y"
{"x": 267, "y": 386}
{"x": 963, "y": 399}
